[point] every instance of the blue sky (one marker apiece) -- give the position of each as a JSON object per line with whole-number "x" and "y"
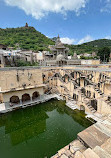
{"x": 76, "y": 21}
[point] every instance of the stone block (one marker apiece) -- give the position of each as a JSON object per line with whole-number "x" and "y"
{"x": 63, "y": 156}
{"x": 68, "y": 153}
{"x": 78, "y": 154}
{"x": 101, "y": 153}
{"x": 72, "y": 149}
{"x": 90, "y": 154}
{"x": 107, "y": 146}
{"x": 60, "y": 152}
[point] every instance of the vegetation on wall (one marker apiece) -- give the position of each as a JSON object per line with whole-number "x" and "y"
{"x": 20, "y": 63}
{"x": 88, "y": 58}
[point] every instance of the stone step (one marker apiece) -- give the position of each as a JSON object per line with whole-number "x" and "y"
{"x": 101, "y": 152}
{"x": 93, "y": 111}
{"x": 107, "y": 146}
{"x": 90, "y": 154}
{"x": 104, "y": 126}
{"x": 78, "y": 154}
{"x": 92, "y": 137}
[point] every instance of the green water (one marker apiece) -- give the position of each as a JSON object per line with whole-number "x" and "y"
{"x": 39, "y": 131}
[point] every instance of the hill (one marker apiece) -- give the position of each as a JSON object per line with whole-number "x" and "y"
{"x": 25, "y": 37}
{"x": 30, "y": 38}
{"x": 89, "y": 47}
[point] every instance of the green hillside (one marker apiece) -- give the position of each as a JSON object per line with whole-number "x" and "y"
{"x": 89, "y": 47}
{"x": 27, "y": 38}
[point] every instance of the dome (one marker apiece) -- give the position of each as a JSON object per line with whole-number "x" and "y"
{"x": 60, "y": 57}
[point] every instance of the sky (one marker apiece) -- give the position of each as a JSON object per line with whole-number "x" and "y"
{"x": 76, "y": 21}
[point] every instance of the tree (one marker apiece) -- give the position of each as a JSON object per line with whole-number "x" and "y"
{"x": 104, "y": 54}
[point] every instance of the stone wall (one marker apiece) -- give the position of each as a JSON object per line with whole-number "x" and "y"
{"x": 84, "y": 85}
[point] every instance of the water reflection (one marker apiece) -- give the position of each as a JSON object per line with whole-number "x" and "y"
{"x": 45, "y": 128}
{"x": 24, "y": 124}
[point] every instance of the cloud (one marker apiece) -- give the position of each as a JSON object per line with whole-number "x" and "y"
{"x": 107, "y": 6}
{"x": 108, "y": 37}
{"x": 67, "y": 40}
{"x": 40, "y": 8}
{"x": 87, "y": 38}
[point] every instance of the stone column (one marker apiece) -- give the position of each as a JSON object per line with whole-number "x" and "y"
{"x": 20, "y": 101}
{"x": 2, "y": 60}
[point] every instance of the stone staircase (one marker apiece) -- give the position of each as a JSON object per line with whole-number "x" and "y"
{"x": 72, "y": 105}
{"x": 99, "y": 91}
{"x": 101, "y": 152}
{"x": 108, "y": 102}
{"x": 90, "y": 107}
{"x": 87, "y": 102}
{"x": 54, "y": 90}
{"x": 77, "y": 150}
{"x": 93, "y": 142}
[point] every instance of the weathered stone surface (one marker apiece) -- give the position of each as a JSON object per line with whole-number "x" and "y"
{"x": 60, "y": 152}
{"x": 64, "y": 156}
{"x": 93, "y": 137}
{"x": 77, "y": 145}
{"x": 104, "y": 126}
{"x": 101, "y": 153}
{"x": 78, "y": 154}
{"x": 72, "y": 149}
{"x": 67, "y": 153}
{"x": 107, "y": 146}
{"x": 66, "y": 147}
{"x": 90, "y": 154}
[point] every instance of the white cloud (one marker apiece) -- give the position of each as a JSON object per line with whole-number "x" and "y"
{"x": 40, "y": 8}
{"x": 108, "y": 37}
{"x": 107, "y": 6}
{"x": 87, "y": 38}
{"x": 67, "y": 40}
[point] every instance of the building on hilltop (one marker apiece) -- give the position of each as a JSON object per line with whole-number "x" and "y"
{"x": 26, "y": 25}
{"x": 2, "y": 46}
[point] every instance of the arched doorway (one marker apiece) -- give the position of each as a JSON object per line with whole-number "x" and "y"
{"x": 94, "y": 104}
{"x": 14, "y": 100}
{"x": 82, "y": 108}
{"x": 64, "y": 98}
{"x": 25, "y": 97}
{"x": 35, "y": 95}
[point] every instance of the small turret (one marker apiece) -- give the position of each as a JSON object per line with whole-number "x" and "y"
{"x": 58, "y": 40}
{"x": 26, "y": 25}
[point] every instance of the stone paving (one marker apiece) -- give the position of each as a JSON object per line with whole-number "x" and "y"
{"x": 70, "y": 150}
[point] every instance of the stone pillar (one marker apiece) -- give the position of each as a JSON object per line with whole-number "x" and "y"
{"x": 2, "y": 60}
{"x": 20, "y": 101}
{"x": 31, "y": 56}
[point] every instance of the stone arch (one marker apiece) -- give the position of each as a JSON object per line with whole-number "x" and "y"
{"x": 82, "y": 108}
{"x": 14, "y": 100}
{"x": 66, "y": 78}
{"x": 25, "y": 97}
{"x": 72, "y": 74}
{"x": 75, "y": 97}
{"x": 94, "y": 104}
{"x": 35, "y": 95}
{"x": 64, "y": 97}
